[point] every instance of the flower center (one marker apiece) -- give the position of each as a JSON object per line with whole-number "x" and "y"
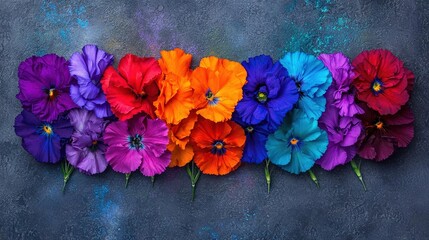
{"x": 143, "y": 94}
{"x": 218, "y": 147}
{"x": 47, "y": 129}
{"x": 211, "y": 98}
{"x": 249, "y": 129}
{"x": 136, "y": 142}
{"x": 94, "y": 145}
{"x": 52, "y": 93}
{"x": 262, "y": 97}
{"x": 379, "y": 125}
{"x": 294, "y": 141}
{"x": 377, "y": 86}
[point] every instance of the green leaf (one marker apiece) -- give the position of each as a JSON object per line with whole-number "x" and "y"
{"x": 127, "y": 178}
{"x": 268, "y": 174}
{"x": 356, "y": 169}
{"x": 313, "y": 177}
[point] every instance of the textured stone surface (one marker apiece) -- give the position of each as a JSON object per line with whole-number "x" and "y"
{"x": 235, "y": 206}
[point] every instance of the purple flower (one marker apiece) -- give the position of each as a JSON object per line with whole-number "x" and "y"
{"x": 87, "y": 68}
{"x": 140, "y": 142}
{"x": 268, "y": 94}
{"x": 42, "y": 140}
{"x": 343, "y": 134}
{"x": 44, "y": 84}
{"x": 86, "y": 149}
{"x": 340, "y": 94}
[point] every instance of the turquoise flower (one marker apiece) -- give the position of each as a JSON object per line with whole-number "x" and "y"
{"x": 312, "y": 79}
{"x": 297, "y": 144}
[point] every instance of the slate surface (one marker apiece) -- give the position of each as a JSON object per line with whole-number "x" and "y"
{"x": 235, "y": 206}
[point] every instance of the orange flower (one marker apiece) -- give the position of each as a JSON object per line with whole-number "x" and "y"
{"x": 217, "y": 85}
{"x": 179, "y": 146}
{"x": 175, "y": 100}
{"x": 218, "y": 147}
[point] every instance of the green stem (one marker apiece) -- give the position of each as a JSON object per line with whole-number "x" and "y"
{"x": 153, "y": 180}
{"x": 67, "y": 170}
{"x": 127, "y": 178}
{"x": 268, "y": 174}
{"x": 313, "y": 177}
{"x": 356, "y": 169}
{"x": 194, "y": 174}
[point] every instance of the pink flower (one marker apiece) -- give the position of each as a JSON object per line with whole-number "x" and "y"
{"x": 139, "y": 142}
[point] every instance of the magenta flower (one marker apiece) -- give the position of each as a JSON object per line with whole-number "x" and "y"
{"x": 86, "y": 149}
{"x": 87, "y": 69}
{"x": 139, "y": 142}
{"x": 340, "y": 94}
{"x": 44, "y": 84}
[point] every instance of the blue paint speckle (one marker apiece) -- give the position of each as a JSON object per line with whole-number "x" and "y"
{"x": 82, "y": 23}
{"x": 208, "y": 232}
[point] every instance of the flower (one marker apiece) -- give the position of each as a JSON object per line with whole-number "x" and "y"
{"x": 44, "y": 85}
{"x": 180, "y": 147}
{"x": 86, "y": 149}
{"x": 217, "y": 85}
{"x": 175, "y": 99}
{"x": 385, "y": 132}
{"x": 343, "y": 134}
{"x": 134, "y": 88}
{"x": 87, "y": 68}
{"x": 340, "y": 93}
{"x": 312, "y": 79}
{"x": 218, "y": 147}
{"x": 268, "y": 94}
{"x": 43, "y": 140}
{"x": 382, "y": 81}
{"x": 297, "y": 144}
{"x": 256, "y": 138}
{"x": 139, "y": 142}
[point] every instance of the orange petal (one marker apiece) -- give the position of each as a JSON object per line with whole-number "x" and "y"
{"x": 180, "y": 157}
{"x": 175, "y": 61}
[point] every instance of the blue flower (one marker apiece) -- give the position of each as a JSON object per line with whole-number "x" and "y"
{"x": 297, "y": 144}
{"x": 256, "y": 137}
{"x": 312, "y": 79}
{"x": 43, "y": 140}
{"x": 268, "y": 94}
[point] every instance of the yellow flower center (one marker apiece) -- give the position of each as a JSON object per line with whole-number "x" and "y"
{"x": 219, "y": 145}
{"x": 262, "y": 97}
{"x": 294, "y": 141}
{"x": 379, "y": 125}
{"x": 376, "y": 87}
{"x": 47, "y": 129}
{"x": 52, "y": 93}
{"x": 94, "y": 142}
{"x": 249, "y": 129}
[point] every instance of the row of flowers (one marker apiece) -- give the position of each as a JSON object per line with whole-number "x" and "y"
{"x": 151, "y": 114}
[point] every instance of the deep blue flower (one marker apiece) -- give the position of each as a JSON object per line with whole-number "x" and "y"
{"x": 268, "y": 94}
{"x": 256, "y": 137}
{"x": 43, "y": 140}
{"x": 297, "y": 144}
{"x": 312, "y": 79}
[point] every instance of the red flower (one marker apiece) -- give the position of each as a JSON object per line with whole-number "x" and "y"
{"x": 385, "y": 132}
{"x": 134, "y": 88}
{"x": 383, "y": 82}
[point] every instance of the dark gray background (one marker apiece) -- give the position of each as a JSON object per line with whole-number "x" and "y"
{"x": 236, "y": 206}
